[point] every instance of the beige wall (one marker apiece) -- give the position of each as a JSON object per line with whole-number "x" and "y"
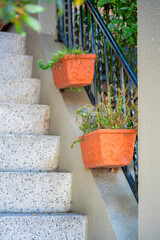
{"x": 149, "y": 118}
{"x": 48, "y": 17}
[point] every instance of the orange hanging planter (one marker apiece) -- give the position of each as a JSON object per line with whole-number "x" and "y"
{"x": 108, "y": 148}
{"x": 74, "y": 71}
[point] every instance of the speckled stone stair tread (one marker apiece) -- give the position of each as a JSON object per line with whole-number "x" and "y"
{"x": 32, "y": 153}
{"x": 24, "y": 118}
{"x": 35, "y": 192}
{"x": 12, "y": 43}
{"x": 32, "y": 195}
{"x": 43, "y": 226}
{"x": 12, "y": 65}
{"x": 20, "y": 90}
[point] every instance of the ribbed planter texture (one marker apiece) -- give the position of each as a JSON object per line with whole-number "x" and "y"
{"x": 74, "y": 71}
{"x": 108, "y": 148}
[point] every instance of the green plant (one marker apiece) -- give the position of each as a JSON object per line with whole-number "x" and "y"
{"x": 121, "y": 16}
{"x": 107, "y": 116}
{"x": 58, "y": 56}
{"x": 19, "y": 12}
{"x": 75, "y": 89}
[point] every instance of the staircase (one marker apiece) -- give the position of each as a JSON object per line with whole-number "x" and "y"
{"x": 35, "y": 200}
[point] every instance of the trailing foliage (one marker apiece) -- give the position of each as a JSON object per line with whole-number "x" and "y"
{"x": 58, "y": 56}
{"x": 107, "y": 116}
{"x": 75, "y": 89}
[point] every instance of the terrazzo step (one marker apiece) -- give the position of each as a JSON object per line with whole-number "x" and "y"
{"x": 15, "y": 66}
{"x": 43, "y": 227}
{"x": 23, "y": 90}
{"x": 35, "y": 192}
{"x": 24, "y": 118}
{"x": 12, "y": 43}
{"x": 22, "y": 153}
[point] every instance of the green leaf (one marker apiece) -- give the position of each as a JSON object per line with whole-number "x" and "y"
{"x": 124, "y": 8}
{"x": 131, "y": 39}
{"x": 8, "y": 13}
{"x": 41, "y": 65}
{"x": 117, "y": 21}
{"x": 103, "y": 2}
{"x": 19, "y": 29}
{"x": 1, "y": 13}
{"x": 33, "y": 8}
{"x": 31, "y": 22}
{"x": 128, "y": 31}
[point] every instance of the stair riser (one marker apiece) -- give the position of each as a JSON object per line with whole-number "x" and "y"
{"x": 15, "y": 66}
{"x": 28, "y": 153}
{"x": 43, "y": 227}
{"x": 35, "y": 192}
{"x": 22, "y": 90}
{"x": 23, "y": 118}
{"x": 12, "y": 43}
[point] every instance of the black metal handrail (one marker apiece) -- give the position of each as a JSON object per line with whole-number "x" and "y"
{"x": 82, "y": 27}
{"x": 113, "y": 43}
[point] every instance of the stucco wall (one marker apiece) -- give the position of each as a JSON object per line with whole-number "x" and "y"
{"x": 149, "y": 118}
{"x": 48, "y": 17}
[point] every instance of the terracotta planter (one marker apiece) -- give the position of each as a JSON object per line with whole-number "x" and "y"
{"x": 108, "y": 148}
{"x": 74, "y": 71}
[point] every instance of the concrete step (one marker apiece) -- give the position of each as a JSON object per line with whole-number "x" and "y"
{"x": 24, "y": 118}
{"x": 35, "y": 192}
{"x": 15, "y": 66}
{"x": 23, "y": 90}
{"x": 12, "y": 43}
{"x": 22, "y": 153}
{"x": 43, "y": 227}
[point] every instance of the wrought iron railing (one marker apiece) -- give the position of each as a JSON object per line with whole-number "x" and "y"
{"x": 82, "y": 27}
